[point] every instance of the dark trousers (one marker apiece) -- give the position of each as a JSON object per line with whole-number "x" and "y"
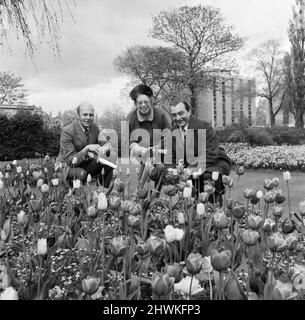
{"x": 94, "y": 168}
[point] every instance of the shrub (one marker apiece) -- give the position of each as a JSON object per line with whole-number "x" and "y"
{"x": 287, "y": 135}
{"x": 258, "y": 137}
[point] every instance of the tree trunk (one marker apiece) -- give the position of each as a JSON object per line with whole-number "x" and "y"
{"x": 299, "y": 121}
{"x": 193, "y": 100}
{"x": 271, "y": 114}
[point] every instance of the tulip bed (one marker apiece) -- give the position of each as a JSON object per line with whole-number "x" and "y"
{"x": 85, "y": 242}
{"x": 268, "y": 157}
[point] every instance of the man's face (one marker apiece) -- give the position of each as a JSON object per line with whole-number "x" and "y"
{"x": 180, "y": 115}
{"x": 86, "y": 115}
{"x": 143, "y": 104}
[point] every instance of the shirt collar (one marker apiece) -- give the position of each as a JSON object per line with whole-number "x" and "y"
{"x": 83, "y": 127}
{"x": 149, "y": 118}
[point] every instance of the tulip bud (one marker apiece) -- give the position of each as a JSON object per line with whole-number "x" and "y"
{"x": 114, "y": 203}
{"x": 276, "y": 242}
{"x": 232, "y": 289}
{"x": 255, "y": 222}
{"x": 247, "y": 193}
{"x": 119, "y": 185}
{"x": 161, "y": 285}
{"x": 90, "y": 285}
{"x": 279, "y": 197}
{"x": 89, "y": 178}
{"x": 14, "y": 163}
{"x": 156, "y": 246}
{"x": 200, "y": 209}
{"x": 268, "y": 225}
{"x": 286, "y": 176}
{"x": 221, "y": 260}
{"x": 268, "y": 184}
{"x": 238, "y": 210}
{"x": 269, "y": 197}
{"x": 76, "y": 184}
{"x": 91, "y": 212}
{"x": 134, "y": 221}
{"x": 250, "y": 237}
{"x": 179, "y": 233}
{"x": 55, "y": 182}
{"x": 74, "y": 161}
{"x": 141, "y": 248}
{"x": 44, "y": 188}
{"x": 225, "y": 180}
{"x": 259, "y": 194}
{"x": 102, "y": 203}
{"x": 231, "y": 182}
{"x": 9, "y": 294}
{"x": 22, "y": 218}
{"x": 221, "y": 221}
{"x": 277, "y": 211}
{"x": 170, "y": 190}
{"x": 174, "y": 270}
{"x": 215, "y": 175}
{"x": 8, "y": 167}
{"x": 240, "y": 170}
{"x": 292, "y": 242}
{"x": 180, "y": 217}
{"x": 119, "y": 245}
{"x": 42, "y": 248}
{"x": 187, "y": 192}
{"x": 193, "y": 263}
{"x": 195, "y": 175}
{"x": 288, "y": 226}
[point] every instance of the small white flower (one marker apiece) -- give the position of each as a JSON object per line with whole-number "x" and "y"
{"x": 22, "y": 218}
{"x": 14, "y": 163}
{"x": 76, "y": 184}
{"x": 286, "y": 176}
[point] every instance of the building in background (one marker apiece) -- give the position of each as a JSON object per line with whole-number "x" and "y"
{"x": 227, "y": 102}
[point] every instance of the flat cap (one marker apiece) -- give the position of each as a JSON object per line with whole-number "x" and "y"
{"x": 140, "y": 89}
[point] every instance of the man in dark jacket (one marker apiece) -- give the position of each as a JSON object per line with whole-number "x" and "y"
{"x": 199, "y": 149}
{"x": 81, "y": 143}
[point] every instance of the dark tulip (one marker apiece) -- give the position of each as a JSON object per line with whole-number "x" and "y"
{"x": 288, "y": 226}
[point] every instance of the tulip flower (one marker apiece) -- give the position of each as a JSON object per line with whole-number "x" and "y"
{"x": 268, "y": 225}
{"x": 90, "y": 285}
{"x": 194, "y": 263}
{"x": 250, "y": 237}
{"x": 247, "y": 193}
{"x": 255, "y": 222}
{"x": 39, "y": 183}
{"x": 288, "y": 226}
{"x": 161, "y": 285}
{"x": 240, "y": 170}
{"x": 8, "y": 167}
{"x": 55, "y": 182}
{"x": 19, "y": 169}
{"x": 35, "y": 205}
{"x": 91, "y": 212}
{"x": 174, "y": 270}
{"x": 200, "y": 209}
{"x": 282, "y": 291}
{"x": 238, "y": 210}
{"x": 179, "y": 234}
{"x": 170, "y": 190}
{"x": 225, "y": 180}
{"x": 1, "y": 184}
{"x": 42, "y": 248}
{"x": 14, "y": 163}
{"x": 302, "y": 208}
{"x": 276, "y": 242}
{"x": 156, "y": 246}
{"x": 221, "y": 221}
{"x": 22, "y": 218}
{"x": 119, "y": 245}
{"x": 286, "y": 176}
{"x": 180, "y": 217}
{"x": 215, "y": 175}
{"x": 9, "y": 294}
{"x": 269, "y": 197}
{"x": 119, "y": 185}
{"x": 259, "y": 194}
{"x": 232, "y": 289}
{"x": 203, "y": 197}
{"x": 74, "y": 161}
{"x": 126, "y": 205}
{"x": 170, "y": 233}
{"x": 102, "y": 203}
{"x": 268, "y": 184}
{"x": 195, "y": 175}
{"x": 187, "y": 192}
{"x": 141, "y": 248}
{"x": 277, "y": 211}
{"x": 292, "y": 241}
{"x": 221, "y": 260}
{"x": 89, "y": 178}
{"x": 114, "y": 203}
{"x": 134, "y": 221}
{"x": 206, "y": 264}
{"x": 7, "y": 175}
{"x": 276, "y": 181}
{"x": 44, "y": 188}
{"x": 135, "y": 208}
{"x": 76, "y": 184}
{"x": 279, "y": 197}
{"x": 185, "y": 286}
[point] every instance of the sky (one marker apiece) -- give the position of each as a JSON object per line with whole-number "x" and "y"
{"x": 103, "y": 29}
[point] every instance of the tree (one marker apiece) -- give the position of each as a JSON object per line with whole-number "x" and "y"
{"x": 268, "y": 63}
{"x": 158, "y": 67}
{"x": 201, "y": 36}
{"x": 294, "y": 67}
{"x": 11, "y": 89}
{"x": 29, "y": 17}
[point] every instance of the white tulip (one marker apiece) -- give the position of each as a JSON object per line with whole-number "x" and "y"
{"x": 42, "y": 247}
{"x": 76, "y": 184}
{"x": 286, "y": 176}
{"x": 9, "y": 294}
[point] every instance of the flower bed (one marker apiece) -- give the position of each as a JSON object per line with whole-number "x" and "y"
{"x": 60, "y": 243}
{"x": 269, "y": 157}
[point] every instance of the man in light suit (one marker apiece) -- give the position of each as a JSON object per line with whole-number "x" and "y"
{"x": 195, "y": 149}
{"x": 80, "y": 144}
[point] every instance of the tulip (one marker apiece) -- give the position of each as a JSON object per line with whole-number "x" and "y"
{"x": 302, "y": 208}
{"x": 114, "y": 203}
{"x": 44, "y": 188}
{"x": 119, "y": 185}
{"x": 276, "y": 181}
{"x": 90, "y": 285}
{"x": 141, "y": 248}
{"x": 14, "y": 163}
{"x": 126, "y": 205}
{"x": 135, "y": 208}
{"x": 268, "y": 184}
{"x": 253, "y": 198}
{"x": 7, "y": 175}
{"x": 194, "y": 263}
{"x": 89, "y": 178}
{"x": 102, "y": 203}
{"x": 215, "y": 175}
{"x": 206, "y": 264}
{"x": 195, "y": 175}
{"x": 185, "y": 286}
{"x": 134, "y": 221}
{"x": 8, "y": 167}
{"x": 1, "y": 184}
{"x": 269, "y": 197}
{"x": 209, "y": 189}
{"x": 39, "y": 183}
{"x": 55, "y": 182}
{"x": 276, "y": 242}
{"x": 91, "y": 212}
{"x": 9, "y": 294}
{"x": 255, "y": 222}
{"x": 268, "y": 225}
{"x": 179, "y": 234}
{"x": 170, "y": 234}
{"x": 231, "y": 182}
{"x": 259, "y": 194}
{"x": 42, "y": 248}
{"x": 247, "y": 193}
{"x": 180, "y": 168}
{"x": 170, "y": 190}
{"x": 156, "y": 246}
{"x": 76, "y": 184}
{"x": 221, "y": 221}
{"x": 238, "y": 210}
{"x": 282, "y": 291}
{"x": 74, "y": 161}
{"x": 292, "y": 242}
{"x": 119, "y": 245}
{"x": 277, "y": 211}
{"x": 221, "y": 260}
{"x": 174, "y": 271}
{"x": 187, "y": 192}
{"x": 225, "y": 180}
{"x": 161, "y": 284}
{"x": 35, "y": 205}
{"x": 232, "y": 289}
{"x": 22, "y": 218}
{"x": 250, "y": 237}
{"x": 286, "y": 176}
{"x": 180, "y": 217}
{"x": 19, "y": 169}
{"x": 200, "y": 209}
{"x": 240, "y": 170}
{"x": 203, "y": 197}
{"x": 288, "y": 226}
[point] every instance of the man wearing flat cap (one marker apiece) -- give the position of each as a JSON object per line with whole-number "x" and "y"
{"x": 146, "y": 122}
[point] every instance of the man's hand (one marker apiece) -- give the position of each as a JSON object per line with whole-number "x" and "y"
{"x": 93, "y": 148}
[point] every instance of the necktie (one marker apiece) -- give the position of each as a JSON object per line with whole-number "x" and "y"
{"x": 87, "y": 134}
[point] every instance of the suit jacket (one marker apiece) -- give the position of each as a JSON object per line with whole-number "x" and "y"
{"x": 202, "y": 147}
{"x": 73, "y": 140}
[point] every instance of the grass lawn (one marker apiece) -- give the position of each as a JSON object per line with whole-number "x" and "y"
{"x": 252, "y": 179}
